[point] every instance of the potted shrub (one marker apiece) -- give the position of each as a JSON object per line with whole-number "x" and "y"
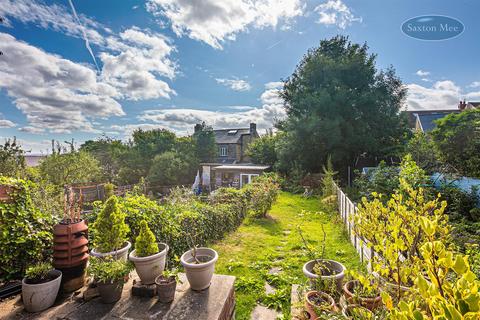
{"x": 166, "y": 285}
{"x": 110, "y": 276}
{"x": 148, "y": 256}
{"x": 111, "y": 232}
{"x": 324, "y": 274}
{"x": 199, "y": 264}
{"x": 40, "y": 287}
{"x": 356, "y": 312}
{"x": 317, "y": 302}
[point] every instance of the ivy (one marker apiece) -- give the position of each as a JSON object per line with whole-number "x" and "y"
{"x": 25, "y": 231}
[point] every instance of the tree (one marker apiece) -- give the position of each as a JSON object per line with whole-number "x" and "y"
{"x": 423, "y": 151}
{"x": 70, "y": 168}
{"x": 12, "y": 159}
{"x": 107, "y": 151}
{"x": 338, "y": 103}
{"x": 457, "y": 137}
{"x": 204, "y": 139}
{"x": 170, "y": 168}
{"x": 263, "y": 149}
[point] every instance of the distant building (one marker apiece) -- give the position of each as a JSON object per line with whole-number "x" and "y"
{"x": 232, "y": 167}
{"x": 33, "y": 160}
{"x": 233, "y": 143}
{"x": 424, "y": 120}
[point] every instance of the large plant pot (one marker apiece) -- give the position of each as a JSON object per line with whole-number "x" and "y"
{"x": 120, "y": 254}
{"x": 333, "y": 272}
{"x": 166, "y": 288}
{"x": 38, "y": 297}
{"x": 199, "y": 275}
{"x": 367, "y": 302}
{"x": 149, "y": 268}
{"x": 349, "y": 310}
{"x": 110, "y": 292}
{"x": 311, "y": 305}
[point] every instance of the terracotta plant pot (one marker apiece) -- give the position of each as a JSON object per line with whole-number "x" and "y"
{"x": 349, "y": 309}
{"x": 120, "y": 254}
{"x": 328, "y": 303}
{"x": 200, "y": 274}
{"x": 166, "y": 288}
{"x": 70, "y": 253}
{"x": 40, "y": 296}
{"x": 333, "y": 273}
{"x": 369, "y": 303}
{"x": 6, "y": 193}
{"x": 110, "y": 292}
{"x": 149, "y": 268}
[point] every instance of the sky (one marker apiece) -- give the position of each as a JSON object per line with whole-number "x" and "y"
{"x": 85, "y": 68}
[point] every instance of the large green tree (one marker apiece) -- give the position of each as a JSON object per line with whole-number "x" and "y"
{"x": 457, "y": 137}
{"x": 338, "y": 103}
{"x": 204, "y": 140}
{"x": 12, "y": 159}
{"x": 107, "y": 151}
{"x": 263, "y": 149}
{"x": 70, "y": 168}
{"x": 170, "y": 168}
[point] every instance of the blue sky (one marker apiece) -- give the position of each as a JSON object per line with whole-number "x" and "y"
{"x": 173, "y": 63}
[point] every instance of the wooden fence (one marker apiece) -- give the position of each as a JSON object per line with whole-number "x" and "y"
{"x": 347, "y": 209}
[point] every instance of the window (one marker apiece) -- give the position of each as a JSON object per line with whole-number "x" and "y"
{"x": 223, "y": 151}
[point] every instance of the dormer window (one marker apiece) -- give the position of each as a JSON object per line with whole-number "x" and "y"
{"x": 232, "y": 132}
{"x": 223, "y": 151}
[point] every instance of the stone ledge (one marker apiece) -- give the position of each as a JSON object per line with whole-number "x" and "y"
{"x": 215, "y": 303}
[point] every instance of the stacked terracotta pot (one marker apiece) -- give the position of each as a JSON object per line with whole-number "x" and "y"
{"x": 70, "y": 252}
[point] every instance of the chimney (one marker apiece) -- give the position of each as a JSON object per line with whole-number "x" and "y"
{"x": 462, "y": 105}
{"x": 253, "y": 127}
{"x": 198, "y": 128}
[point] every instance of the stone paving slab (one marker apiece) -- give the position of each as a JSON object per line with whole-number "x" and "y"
{"x": 215, "y": 303}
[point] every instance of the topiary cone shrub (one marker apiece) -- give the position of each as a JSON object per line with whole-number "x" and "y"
{"x": 145, "y": 244}
{"x": 110, "y": 227}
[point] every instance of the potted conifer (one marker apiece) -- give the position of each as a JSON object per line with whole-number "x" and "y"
{"x": 40, "y": 287}
{"x": 110, "y": 276}
{"x": 148, "y": 256}
{"x": 111, "y": 232}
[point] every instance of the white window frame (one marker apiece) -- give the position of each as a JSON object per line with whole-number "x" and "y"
{"x": 223, "y": 151}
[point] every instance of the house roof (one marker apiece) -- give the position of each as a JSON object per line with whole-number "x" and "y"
{"x": 475, "y": 104}
{"x": 427, "y": 119}
{"x": 241, "y": 167}
{"x": 230, "y": 135}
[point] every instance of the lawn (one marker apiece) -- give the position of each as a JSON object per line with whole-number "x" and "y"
{"x": 273, "y": 244}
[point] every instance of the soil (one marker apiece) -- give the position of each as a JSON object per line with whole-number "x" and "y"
{"x": 202, "y": 259}
{"x": 163, "y": 280}
{"x": 324, "y": 271}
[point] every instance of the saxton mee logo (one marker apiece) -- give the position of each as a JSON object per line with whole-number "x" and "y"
{"x": 432, "y": 27}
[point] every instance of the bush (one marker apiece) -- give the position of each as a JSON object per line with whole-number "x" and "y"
{"x": 461, "y": 204}
{"x": 261, "y": 194}
{"x": 38, "y": 272}
{"x": 145, "y": 244}
{"x": 110, "y": 227}
{"x": 108, "y": 270}
{"x": 25, "y": 231}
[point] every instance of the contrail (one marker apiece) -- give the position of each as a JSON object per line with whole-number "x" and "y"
{"x": 87, "y": 43}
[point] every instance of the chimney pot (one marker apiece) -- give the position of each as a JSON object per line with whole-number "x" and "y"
{"x": 253, "y": 127}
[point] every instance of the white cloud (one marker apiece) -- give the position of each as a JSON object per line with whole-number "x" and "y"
{"x": 235, "y": 84}
{"x": 4, "y": 123}
{"x": 133, "y": 61}
{"x": 54, "y": 93}
{"x": 441, "y": 95}
{"x": 422, "y": 73}
{"x": 214, "y": 22}
{"x": 335, "y": 12}
{"x": 28, "y": 146}
{"x": 475, "y": 84}
{"x": 30, "y": 129}
{"x": 182, "y": 120}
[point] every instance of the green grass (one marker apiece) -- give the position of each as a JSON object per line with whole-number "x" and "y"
{"x": 260, "y": 244}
